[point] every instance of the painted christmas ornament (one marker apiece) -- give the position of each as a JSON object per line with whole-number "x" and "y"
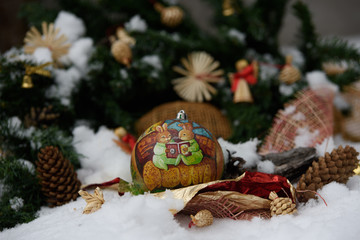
{"x": 175, "y": 153}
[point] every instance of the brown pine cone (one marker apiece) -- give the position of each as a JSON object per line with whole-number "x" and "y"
{"x": 337, "y": 166}
{"x": 58, "y": 179}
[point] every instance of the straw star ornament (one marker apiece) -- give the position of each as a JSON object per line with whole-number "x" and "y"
{"x": 50, "y": 38}
{"x": 200, "y": 70}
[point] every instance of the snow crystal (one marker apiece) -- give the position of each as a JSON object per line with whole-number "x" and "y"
{"x": 16, "y": 203}
{"x": 155, "y": 62}
{"x": 286, "y": 90}
{"x": 246, "y": 151}
{"x": 340, "y": 103}
{"x": 66, "y": 79}
{"x": 27, "y": 164}
{"x": 70, "y": 25}
{"x": 80, "y": 53}
{"x": 318, "y": 80}
{"x": 266, "y": 166}
{"x": 14, "y": 54}
{"x": 327, "y": 145}
{"x": 175, "y": 37}
{"x": 124, "y": 73}
{"x": 267, "y": 72}
{"x": 137, "y": 24}
{"x": 42, "y": 55}
{"x": 289, "y": 110}
{"x": 103, "y": 160}
{"x": 234, "y": 33}
{"x": 152, "y": 60}
{"x": 354, "y": 183}
{"x": 14, "y": 122}
{"x": 299, "y": 116}
{"x": 304, "y": 137}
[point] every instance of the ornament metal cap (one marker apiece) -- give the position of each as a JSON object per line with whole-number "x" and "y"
{"x": 181, "y": 115}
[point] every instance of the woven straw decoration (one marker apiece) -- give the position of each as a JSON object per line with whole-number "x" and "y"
{"x": 312, "y": 111}
{"x": 289, "y": 74}
{"x": 94, "y": 201}
{"x": 202, "y": 113}
{"x": 170, "y": 16}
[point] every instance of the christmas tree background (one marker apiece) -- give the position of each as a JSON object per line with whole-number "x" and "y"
{"x": 91, "y": 88}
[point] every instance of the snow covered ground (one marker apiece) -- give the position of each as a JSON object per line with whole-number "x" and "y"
{"x": 147, "y": 217}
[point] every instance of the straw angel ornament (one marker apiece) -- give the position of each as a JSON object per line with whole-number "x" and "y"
{"x": 200, "y": 70}
{"x": 49, "y": 38}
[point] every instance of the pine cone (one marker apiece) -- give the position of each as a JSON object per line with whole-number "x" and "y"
{"x": 40, "y": 117}
{"x": 337, "y": 166}
{"x": 202, "y": 218}
{"x": 57, "y": 177}
{"x": 281, "y": 206}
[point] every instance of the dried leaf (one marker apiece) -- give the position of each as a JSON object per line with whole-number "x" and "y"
{"x": 94, "y": 201}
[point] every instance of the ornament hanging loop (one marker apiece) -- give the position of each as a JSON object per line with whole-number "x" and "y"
{"x": 181, "y": 115}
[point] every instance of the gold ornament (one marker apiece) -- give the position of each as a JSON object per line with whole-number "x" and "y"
{"x": 202, "y": 219}
{"x": 228, "y": 8}
{"x": 332, "y": 68}
{"x": 281, "y": 206}
{"x": 27, "y": 80}
{"x": 170, "y": 16}
{"x": 200, "y": 70}
{"x": 50, "y": 39}
{"x": 120, "y": 47}
{"x": 94, "y": 201}
{"x": 289, "y": 74}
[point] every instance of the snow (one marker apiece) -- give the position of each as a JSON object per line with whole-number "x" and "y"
{"x": 286, "y": 90}
{"x": 136, "y": 24}
{"x": 318, "y": 80}
{"x": 340, "y": 103}
{"x": 289, "y": 110}
{"x": 304, "y": 137}
{"x": 66, "y": 80}
{"x": 16, "y": 203}
{"x": 103, "y": 160}
{"x": 239, "y": 36}
{"x": 246, "y": 151}
{"x": 80, "y": 53}
{"x": 326, "y": 146}
{"x": 147, "y": 217}
{"x": 42, "y": 55}
{"x": 70, "y": 25}
{"x": 266, "y": 167}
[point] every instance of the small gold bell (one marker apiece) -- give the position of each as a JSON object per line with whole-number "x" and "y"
{"x": 27, "y": 82}
{"x": 228, "y": 9}
{"x": 121, "y": 52}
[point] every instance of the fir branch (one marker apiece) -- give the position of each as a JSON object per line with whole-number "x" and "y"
{"x": 309, "y": 38}
{"x": 346, "y": 78}
{"x": 336, "y": 49}
{"x": 18, "y": 182}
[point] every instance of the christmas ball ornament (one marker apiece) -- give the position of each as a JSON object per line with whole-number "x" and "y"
{"x": 121, "y": 52}
{"x": 170, "y": 16}
{"x": 204, "y": 114}
{"x": 175, "y": 153}
{"x": 289, "y": 74}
